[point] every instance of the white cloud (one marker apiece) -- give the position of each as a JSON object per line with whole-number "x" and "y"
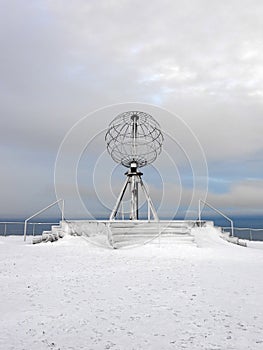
{"x": 62, "y": 59}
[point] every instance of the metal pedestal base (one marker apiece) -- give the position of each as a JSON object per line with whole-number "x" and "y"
{"x": 134, "y": 180}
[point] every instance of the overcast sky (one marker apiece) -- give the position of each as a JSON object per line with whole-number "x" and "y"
{"x": 200, "y": 60}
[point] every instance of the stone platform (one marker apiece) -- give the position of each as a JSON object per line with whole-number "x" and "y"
{"x": 124, "y": 233}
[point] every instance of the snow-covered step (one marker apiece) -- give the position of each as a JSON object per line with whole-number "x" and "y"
{"x": 179, "y": 238}
{"x": 186, "y": 239}
{"x": 50, "y": 236}
{"x": 150, "y": 230}
{"x": 134, "y": 233}
{"x": 121, "y": 241}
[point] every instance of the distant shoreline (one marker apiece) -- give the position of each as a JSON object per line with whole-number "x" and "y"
{"x": 253, "y": 221}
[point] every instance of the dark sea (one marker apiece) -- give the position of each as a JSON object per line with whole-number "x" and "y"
{"x": 15, "y": 227}
{"x": 252, "y": 226}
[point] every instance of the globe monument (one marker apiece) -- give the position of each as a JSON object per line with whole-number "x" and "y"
{"x": 134, "y": 139}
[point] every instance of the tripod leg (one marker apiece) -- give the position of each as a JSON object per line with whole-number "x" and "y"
{"x": 119, "y": 200}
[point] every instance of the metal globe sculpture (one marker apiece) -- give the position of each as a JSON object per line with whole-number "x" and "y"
{"x": 134, "y": 139}
{"x": 134, "y": 136}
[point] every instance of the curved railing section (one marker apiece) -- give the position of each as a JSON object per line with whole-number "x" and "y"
{"x": 43, "y": 210}
{"x": 217, "y": 211}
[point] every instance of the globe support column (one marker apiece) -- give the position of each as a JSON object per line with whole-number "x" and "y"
{"x": 134, "y": 175}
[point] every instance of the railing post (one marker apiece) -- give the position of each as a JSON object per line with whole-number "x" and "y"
{"x": 63, "y": 210}
{"x": 122, "y": 211}
{"x": 149, "y": 211}
{"x": 5, "y": 230}
{"x": 25, "y": 229}
{"x": 232, "y": 228}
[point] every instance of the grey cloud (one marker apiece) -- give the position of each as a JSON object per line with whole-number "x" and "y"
{"x": 61, "y": 60}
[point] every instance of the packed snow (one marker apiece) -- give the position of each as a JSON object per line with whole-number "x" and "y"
{"x": 72, "y": 294}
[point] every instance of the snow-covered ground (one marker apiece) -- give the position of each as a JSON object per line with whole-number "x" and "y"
{"x": 73, "y": 295}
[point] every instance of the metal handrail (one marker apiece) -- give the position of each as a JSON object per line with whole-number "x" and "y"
{"x": 246, "y": 228}
{"x": 217, "y": 211}
{"x": 249, "y": 229}
{"x": 41, "y": 211}
{"x": 11, "y": 222}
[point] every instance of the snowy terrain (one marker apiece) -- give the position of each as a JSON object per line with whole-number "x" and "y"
{"x": 73, "y": 295}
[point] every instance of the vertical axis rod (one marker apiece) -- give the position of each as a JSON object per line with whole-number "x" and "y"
{"x": 134, "y": 197}
{"x": 134, "y": 119}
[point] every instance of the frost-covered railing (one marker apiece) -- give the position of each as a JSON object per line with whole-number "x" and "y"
{"x": 42, "y": 210}
{"x": 17, "y": 227}
{"x": 217, "y": 211}
{"x": 251, "y": 233}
